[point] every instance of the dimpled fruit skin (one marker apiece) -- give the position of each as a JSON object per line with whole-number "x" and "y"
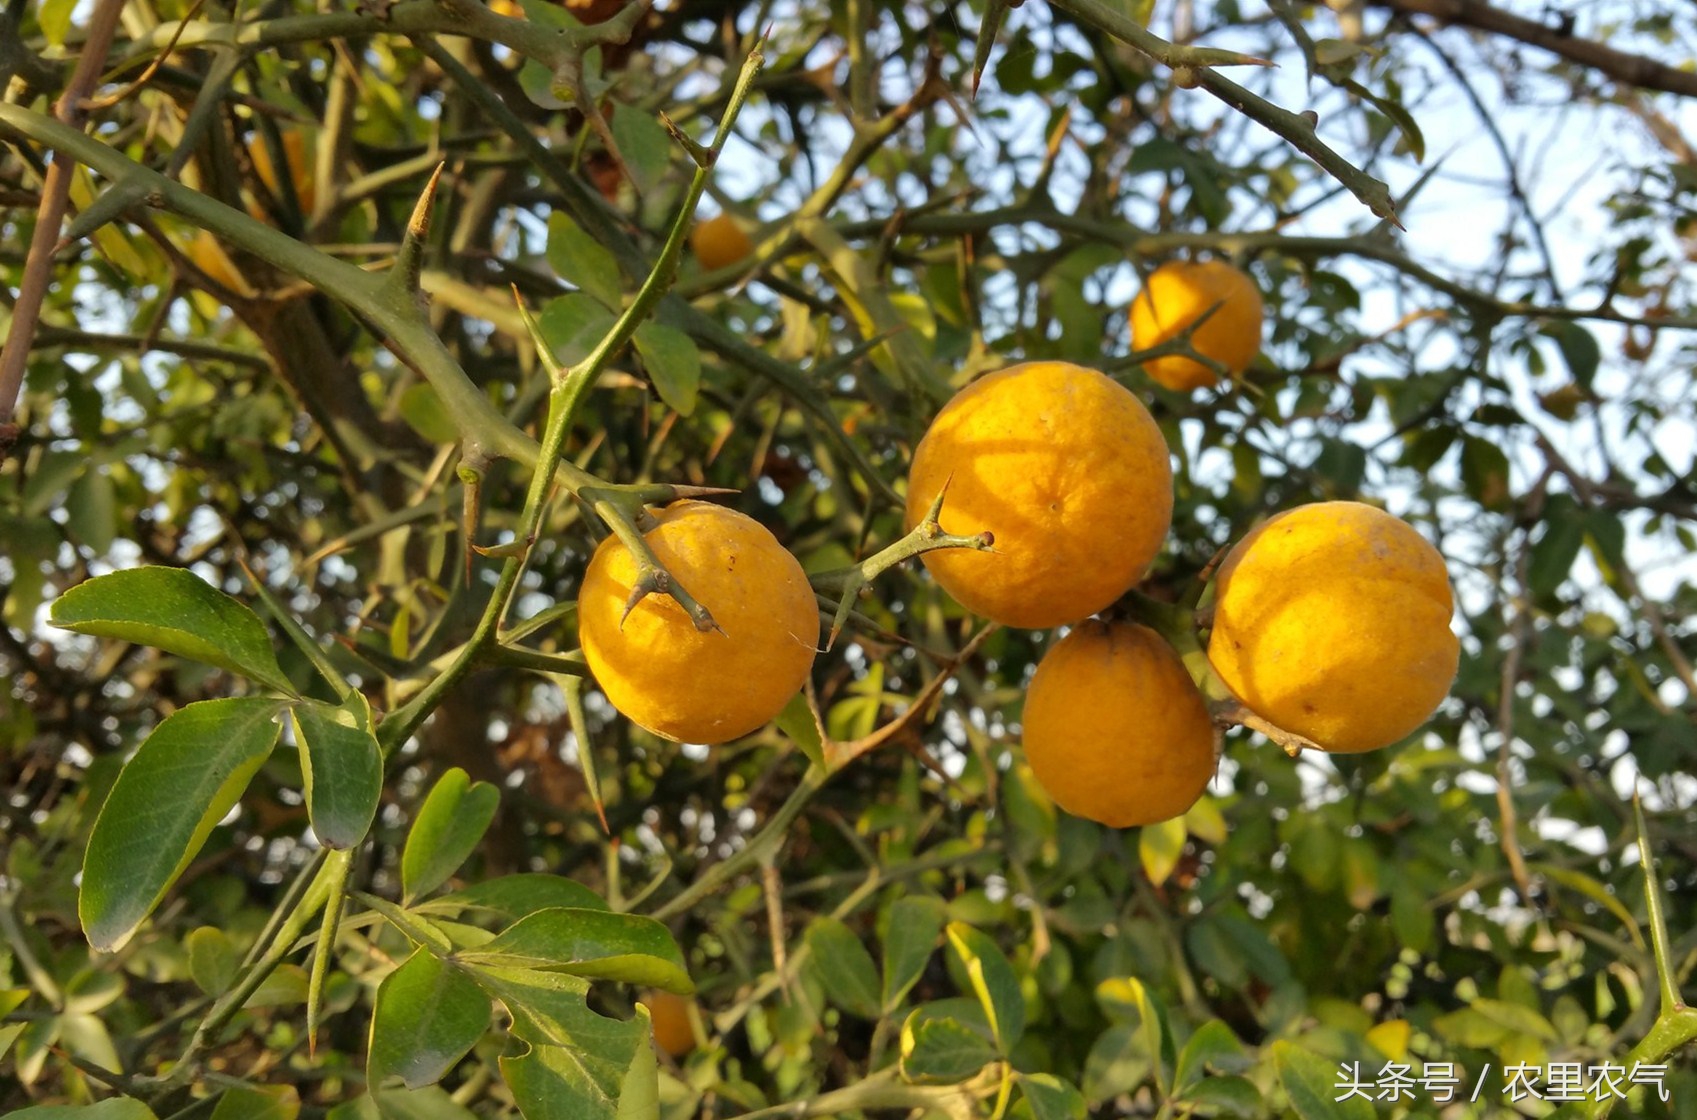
{"x": 669, "y": 1016}
{"x": 719, "y": 242}
{"x": 1175, "y": 296}
{"x": 686, "y": 684}
{"x": 1115, "y": 730}
{"x": 1069, "y": 472}
{"x": 1333, "y": 621}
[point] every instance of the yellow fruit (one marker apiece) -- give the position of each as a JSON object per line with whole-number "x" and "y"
{"x": 719, "y": 242}
{"x": 1175, "y": 296}
{"x": 686, "y": 684}
{"x": 669, "y": 1016}
{"x": 1115, "y": 729}
{"x": 1069, "y": 473}
{"x": 1333, "y": 621}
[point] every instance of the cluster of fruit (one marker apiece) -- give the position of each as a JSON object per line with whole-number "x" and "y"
{"x": 1331, "y": 621}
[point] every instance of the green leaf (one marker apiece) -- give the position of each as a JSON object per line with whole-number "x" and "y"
{"x": 574, "y": 325}
{"x": 1123, "y": 998}
{"x": 1159, "y": 846}
{"x": 343, "y": 768}
{"x": 176, "y": 611}
{"x": 213, "y": 960}
{"x": 557, "y": 1083}
{"x": 1212, "y": 1049}
{"x": 1579, "y": 350}
{"x": 1117, "y": 1063}
{"x": 515, "y": 896}
{"x": 914, "y": 925}
{"x": 939, "y": 1047}
{"x": 844, "y": 967}
{"x": 258, "y": 1102}
{"x": 430, "y": 1103}
{"x": 1331, "y": 52}
{"x": 422, "y": 408}
{"x": 581, "y": 261}
{"x": 1484, "y": 471}
{"x": 1311, "y": 1081}
{"x": 429, "y": 1015}
{"x": 994, "y": 981}
{"x": 796, "y": 721}
{"x": 673, "y": 363}
{"x": 116, "y": 1108}
{"x": 1226, "y": 1096}
{"x": 54, "y": 16}
{"x": 645, "y": 145}
{"x": 1397, "y": 112}
{"x": 1555, "y": 551}
{"x": 596, "y": 944}
{"x": 91, "y": 509}
{"x": 1051, "y": 1098}
{"x": 1515, "y": 1018}
{"x": 580, "y": 1066}
{"x": 284, "y": 987}
{"x": 450, "y": 823}
{"x": 188, "y": 774}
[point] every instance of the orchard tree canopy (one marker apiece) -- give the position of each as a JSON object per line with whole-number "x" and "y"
{"x": 339, "y": 336}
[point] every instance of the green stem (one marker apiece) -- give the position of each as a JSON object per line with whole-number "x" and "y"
{"x": 393, "y": 731}
{"x": 332, "y": 870}
{"x": 548, "y": 44}
{"x": 1671, "y": 1003}
{"x": 1293, "y": 127}
{"x": 767, "y": 838}
{"x": 337, "y": 866}
{"x": 1670, "y": 1034}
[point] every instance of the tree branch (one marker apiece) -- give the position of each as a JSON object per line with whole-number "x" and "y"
{"x": 55, "y": 198}
{"x": 1625, "y": 69}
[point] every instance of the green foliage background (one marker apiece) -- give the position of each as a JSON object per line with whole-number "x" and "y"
{"x": 886, "y": 938}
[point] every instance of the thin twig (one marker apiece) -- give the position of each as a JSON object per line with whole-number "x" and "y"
{"x": 55, "y": 198}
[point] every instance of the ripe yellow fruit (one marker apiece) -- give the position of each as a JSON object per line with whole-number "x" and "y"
{"x": 669, "y": 1016}
{"x": 1115, "y": 729}
{"x": 1332, "y": 620}
{"x": 690, "y": 685}
{"x": 719, "y": 242}
{"x": 1175, "y": 296}
{"x": 1069, "y": 473}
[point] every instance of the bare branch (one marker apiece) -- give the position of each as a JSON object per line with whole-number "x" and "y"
{"x": 1625, "y": 69}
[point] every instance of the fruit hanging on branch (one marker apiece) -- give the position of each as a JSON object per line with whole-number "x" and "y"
{"x": 1176, "y": 296}
{"x": 646, "y": 653}
{"x": 1333, "y": 621}
{"x": 1115, "y": 729}
{"x": 1067, "y": 471}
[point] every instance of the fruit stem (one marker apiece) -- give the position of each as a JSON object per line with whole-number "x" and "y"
{"x": 927, "y": 536}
